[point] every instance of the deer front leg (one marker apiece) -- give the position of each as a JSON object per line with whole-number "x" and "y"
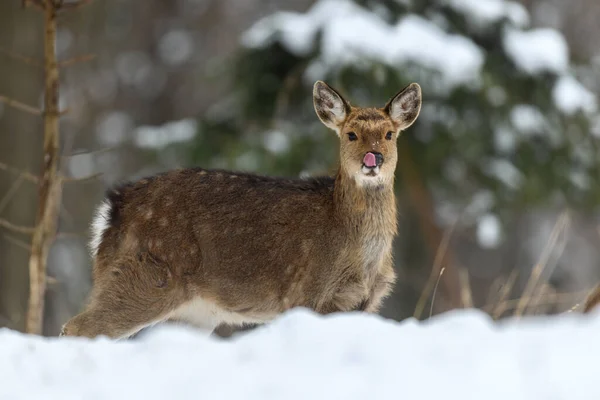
{"x": 382, "y": 287}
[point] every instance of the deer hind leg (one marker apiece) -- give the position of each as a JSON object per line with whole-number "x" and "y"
{"x": 127, "y": 296}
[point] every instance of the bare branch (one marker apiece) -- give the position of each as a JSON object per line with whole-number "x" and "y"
{"x": 38, "y": 4}
{"x": 26, "y": 175}
{"x": 90, "y": 152}
{"x": 76, "y": 60}
{"x": 11, "y": 192}
{"x": 75, "y": 5}
{"x": 27, "y": 230}
{"x": 69, "y": 179}
{"x": 71, "y": 235}
{"x": 20, "y": 106}
{"x": 18, "y": 242}
{"x": 20, "y": 57}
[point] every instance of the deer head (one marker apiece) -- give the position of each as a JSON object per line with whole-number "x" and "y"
{"x": 367, "y": 136}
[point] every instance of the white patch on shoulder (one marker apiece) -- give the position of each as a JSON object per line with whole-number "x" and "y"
{"x": 99, "y": 225}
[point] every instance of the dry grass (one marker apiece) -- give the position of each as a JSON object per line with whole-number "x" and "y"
{"x": 537, "y": 297}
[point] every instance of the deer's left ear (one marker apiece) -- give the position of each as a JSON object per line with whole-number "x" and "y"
{"x": 404, "y": 108}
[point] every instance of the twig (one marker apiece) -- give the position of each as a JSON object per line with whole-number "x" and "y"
{"x": 20, "y": 106}
{"x": 52, "y": 281}
{"x": 21, "y": 58}
{"x": 466, "y": 293}
{"x": 17, "y": 242}
{"x": 26, "y": 175}
{"x": 90, "y": 152}
{"x": 541, "y": 300}
{"x": 65, "y": 235}
{"x": 39, "y": 4}
{"x": 11, "y": 192}
{"x": 541, "y": 264}
{"x": 76, "y": 60}
{"x": 75, "y": 5}
{"x": 592, "y": 299}
{"x": 69, "y": 179}
{"x": 437, "y": 264}
{"x": 26, "y": 230}
{"x": 435, "y": 291}
{"x": 506, "y": 289}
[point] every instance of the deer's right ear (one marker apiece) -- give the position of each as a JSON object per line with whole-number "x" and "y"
{"x": 330, "y": 106}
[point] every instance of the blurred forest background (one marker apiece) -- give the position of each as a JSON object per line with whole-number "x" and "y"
{"x": 497, "y": 182}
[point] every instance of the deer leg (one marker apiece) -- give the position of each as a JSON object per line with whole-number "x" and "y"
{"x": 128, "y": 296}
{"x": 381, "y": 289}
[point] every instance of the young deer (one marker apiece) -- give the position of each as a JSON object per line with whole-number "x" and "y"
{"x": 207, "y": 247}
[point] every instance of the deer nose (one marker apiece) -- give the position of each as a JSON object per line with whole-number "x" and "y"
{"x": 373, "y": 159}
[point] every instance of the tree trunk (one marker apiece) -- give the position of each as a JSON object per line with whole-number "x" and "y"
{"x": 50, "y": 184}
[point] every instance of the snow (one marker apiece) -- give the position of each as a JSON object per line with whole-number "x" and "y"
{"x": 483, "y": 13}
{"x": 537, "y": 50}
{"x": 354, "y": 35}
{"x": 457, "y": 355}
{"x": 277, "y": 142}
{"x": 504, "y": 171}
{"x": 158, "y": 137}
{"x": 112, "y": 128}
{"x": 489, "y": 231}
{"x": 528, "y": 119}
{"x": 570, "y": 96}
{"x": 176, "y": 47}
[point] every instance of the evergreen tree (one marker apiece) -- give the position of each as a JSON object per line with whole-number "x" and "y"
{"x": 506, "y": 123}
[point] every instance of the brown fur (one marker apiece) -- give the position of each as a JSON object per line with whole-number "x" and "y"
{"x": 593, "y": 300}
{"x": 210, "y": 246}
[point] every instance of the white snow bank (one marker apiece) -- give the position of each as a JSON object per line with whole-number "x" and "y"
{"x": 570, "y": 96}
{"x": 355, "y": 35}
{"x": 460, "y": 355}
{"x": 482, "y": 13}
{"x": 537, "y": 50}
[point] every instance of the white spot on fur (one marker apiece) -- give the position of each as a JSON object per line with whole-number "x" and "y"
{"x": 207, "y": 315}
{"x": 374, "y": 249}
{"x": 148, "y": 214}
{"x": 99, "y": 225}
{"x": 364, "y": 180}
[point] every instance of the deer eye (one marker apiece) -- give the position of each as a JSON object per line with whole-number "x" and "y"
{"x": 388, "y": 135}
{"x": 352, "y": 136}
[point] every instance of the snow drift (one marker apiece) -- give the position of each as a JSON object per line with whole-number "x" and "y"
{"x": 459, "y": 355}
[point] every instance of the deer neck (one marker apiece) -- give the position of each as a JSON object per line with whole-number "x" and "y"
{"x": 367, "y": 210}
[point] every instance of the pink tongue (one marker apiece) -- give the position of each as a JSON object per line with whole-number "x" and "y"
{"x": 369, "y": 160}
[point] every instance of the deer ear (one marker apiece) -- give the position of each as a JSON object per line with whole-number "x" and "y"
{"x": 404, "y": 108}
{"x": 330, "y": 106}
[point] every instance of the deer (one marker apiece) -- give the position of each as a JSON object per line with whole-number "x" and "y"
{"x": 205, "y": 247}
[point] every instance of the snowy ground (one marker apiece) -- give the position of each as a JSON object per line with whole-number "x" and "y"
{"x": 459, "y": 355}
